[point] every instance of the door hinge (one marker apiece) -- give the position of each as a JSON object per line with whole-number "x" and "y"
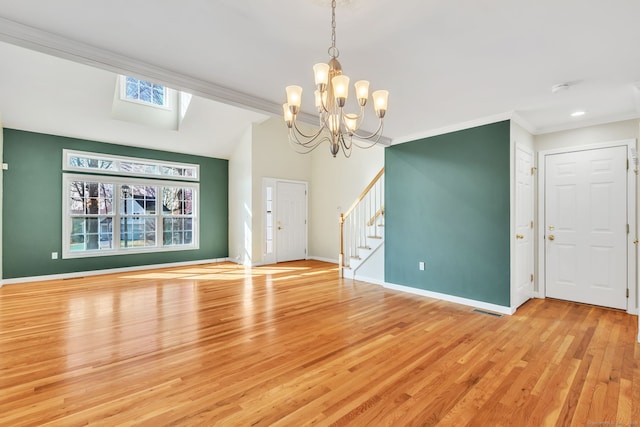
{"x": 627, "y": 228}
{"x": 627, "y": 164}
{"x": 533, "y": 170}
{"x": 627, "y": 292}
{"x": 532, "y": 225}
{"x": 532, "y": 277}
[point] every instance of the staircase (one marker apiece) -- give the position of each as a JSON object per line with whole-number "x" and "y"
{"x": 362, "y": 227}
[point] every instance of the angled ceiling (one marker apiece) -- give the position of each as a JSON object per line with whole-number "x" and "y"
{"x": 444, "y": 63}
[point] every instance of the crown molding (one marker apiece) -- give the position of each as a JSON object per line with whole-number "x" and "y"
{"x": 52, "y": 44}
{"x": 523, "y": 123}
{"x": 455, "y": 127}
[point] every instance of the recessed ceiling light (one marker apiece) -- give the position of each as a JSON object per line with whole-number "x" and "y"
{"x": 577, "y": 114}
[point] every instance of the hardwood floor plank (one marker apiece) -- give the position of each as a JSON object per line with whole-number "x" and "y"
{"x": 292, "y": 345}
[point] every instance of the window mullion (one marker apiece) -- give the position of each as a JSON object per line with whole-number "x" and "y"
{"x": 116, "y": 214}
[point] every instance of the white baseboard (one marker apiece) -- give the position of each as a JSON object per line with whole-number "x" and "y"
{"x": 450, "y": 298}
{"x": 107, "y": 271}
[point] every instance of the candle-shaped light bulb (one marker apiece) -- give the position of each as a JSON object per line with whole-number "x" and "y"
{"x": 294, "y": 98}
{"x": 340, "y": 85}
{"x": 380, "y": 100}
{"x": 351, "y": 121}
{"x": 362, "y": 91}
{"x": 288, "y": 116}
{"x": 321, "y": 73}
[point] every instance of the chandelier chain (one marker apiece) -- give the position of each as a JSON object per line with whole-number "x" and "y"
{"x": 333, "y": 50}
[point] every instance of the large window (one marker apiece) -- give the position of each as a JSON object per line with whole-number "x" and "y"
{"x": 108, "y": 215}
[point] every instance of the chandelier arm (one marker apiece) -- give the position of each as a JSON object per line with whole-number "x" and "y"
{"x": 376, "y": 134}
{"x": 325, "y": 108}
{"x": 348, "y": 144}
{"x": 304, "y": 135}
{"x": 346, "y": 148}
{"x": 305, "y": 149}
{"x": 368, "y": 144}
{"x": 294, "y": 140}
{"x": 312, "y": 142}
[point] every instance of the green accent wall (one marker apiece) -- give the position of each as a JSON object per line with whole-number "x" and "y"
{"x": 32, "y": 211}
{"x": 447, "y": 203}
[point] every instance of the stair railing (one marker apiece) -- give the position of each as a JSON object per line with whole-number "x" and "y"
{"x": 360, "y": 222}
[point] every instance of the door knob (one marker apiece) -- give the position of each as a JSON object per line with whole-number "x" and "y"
{"x": 552, "y": 237}
{"x": 279, "y": 228}
{"x": 519, "y": 236}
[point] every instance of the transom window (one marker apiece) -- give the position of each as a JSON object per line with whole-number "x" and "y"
{"x": 119, "y": 165}
{"x": 146, "y": 92}
{"x": 106, "y": 215}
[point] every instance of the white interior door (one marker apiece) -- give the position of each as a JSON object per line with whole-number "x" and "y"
{"x": 523, "y": 289}
{"x": 586, "y": 226}
{"x": 291, "y": 221}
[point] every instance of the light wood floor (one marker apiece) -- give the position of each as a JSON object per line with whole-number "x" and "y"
{"x": 294, "y": 345}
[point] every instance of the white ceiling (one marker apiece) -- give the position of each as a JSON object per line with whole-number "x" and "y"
{"x": 445, "y": 63}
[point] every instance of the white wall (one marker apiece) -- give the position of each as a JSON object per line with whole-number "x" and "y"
{"x": 615, "y": 131}
{"x": 335, "y": 184}
{"x": 272, "y": 158}
{"x": 1, "y": 192}
{"x": 240, "y": 201}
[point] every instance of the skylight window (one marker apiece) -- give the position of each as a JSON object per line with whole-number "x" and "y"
{"x": 143, "y": 91}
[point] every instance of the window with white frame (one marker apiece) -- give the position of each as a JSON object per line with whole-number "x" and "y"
{"x": 83, "y": 161}
{"x": 109, "y": 215}
{"x": 143, "y": 91}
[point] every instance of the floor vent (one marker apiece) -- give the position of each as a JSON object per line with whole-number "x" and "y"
{"x": 488, "y": 313}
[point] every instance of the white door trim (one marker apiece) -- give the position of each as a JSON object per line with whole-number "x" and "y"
{"x": 632, "y": 265}
{"x": 272, "y": 258}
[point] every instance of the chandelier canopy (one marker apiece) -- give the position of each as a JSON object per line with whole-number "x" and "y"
{"x": 332, "y": 89}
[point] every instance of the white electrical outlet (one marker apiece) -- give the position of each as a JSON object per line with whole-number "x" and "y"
{"x": 421, "y": 265}
{"x": 54, "y": 255}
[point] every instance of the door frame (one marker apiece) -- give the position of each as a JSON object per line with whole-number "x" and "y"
{"x": 271, "y": 258}
{"x": 632, "y": 264}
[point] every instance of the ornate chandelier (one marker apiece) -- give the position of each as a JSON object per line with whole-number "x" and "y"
{"x": 332, "y": 89}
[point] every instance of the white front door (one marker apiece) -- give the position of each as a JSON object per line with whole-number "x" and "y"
{"x": 586, "y": 226}
{"x": 523, "y": 289}
{"x": 291, "y": 221}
